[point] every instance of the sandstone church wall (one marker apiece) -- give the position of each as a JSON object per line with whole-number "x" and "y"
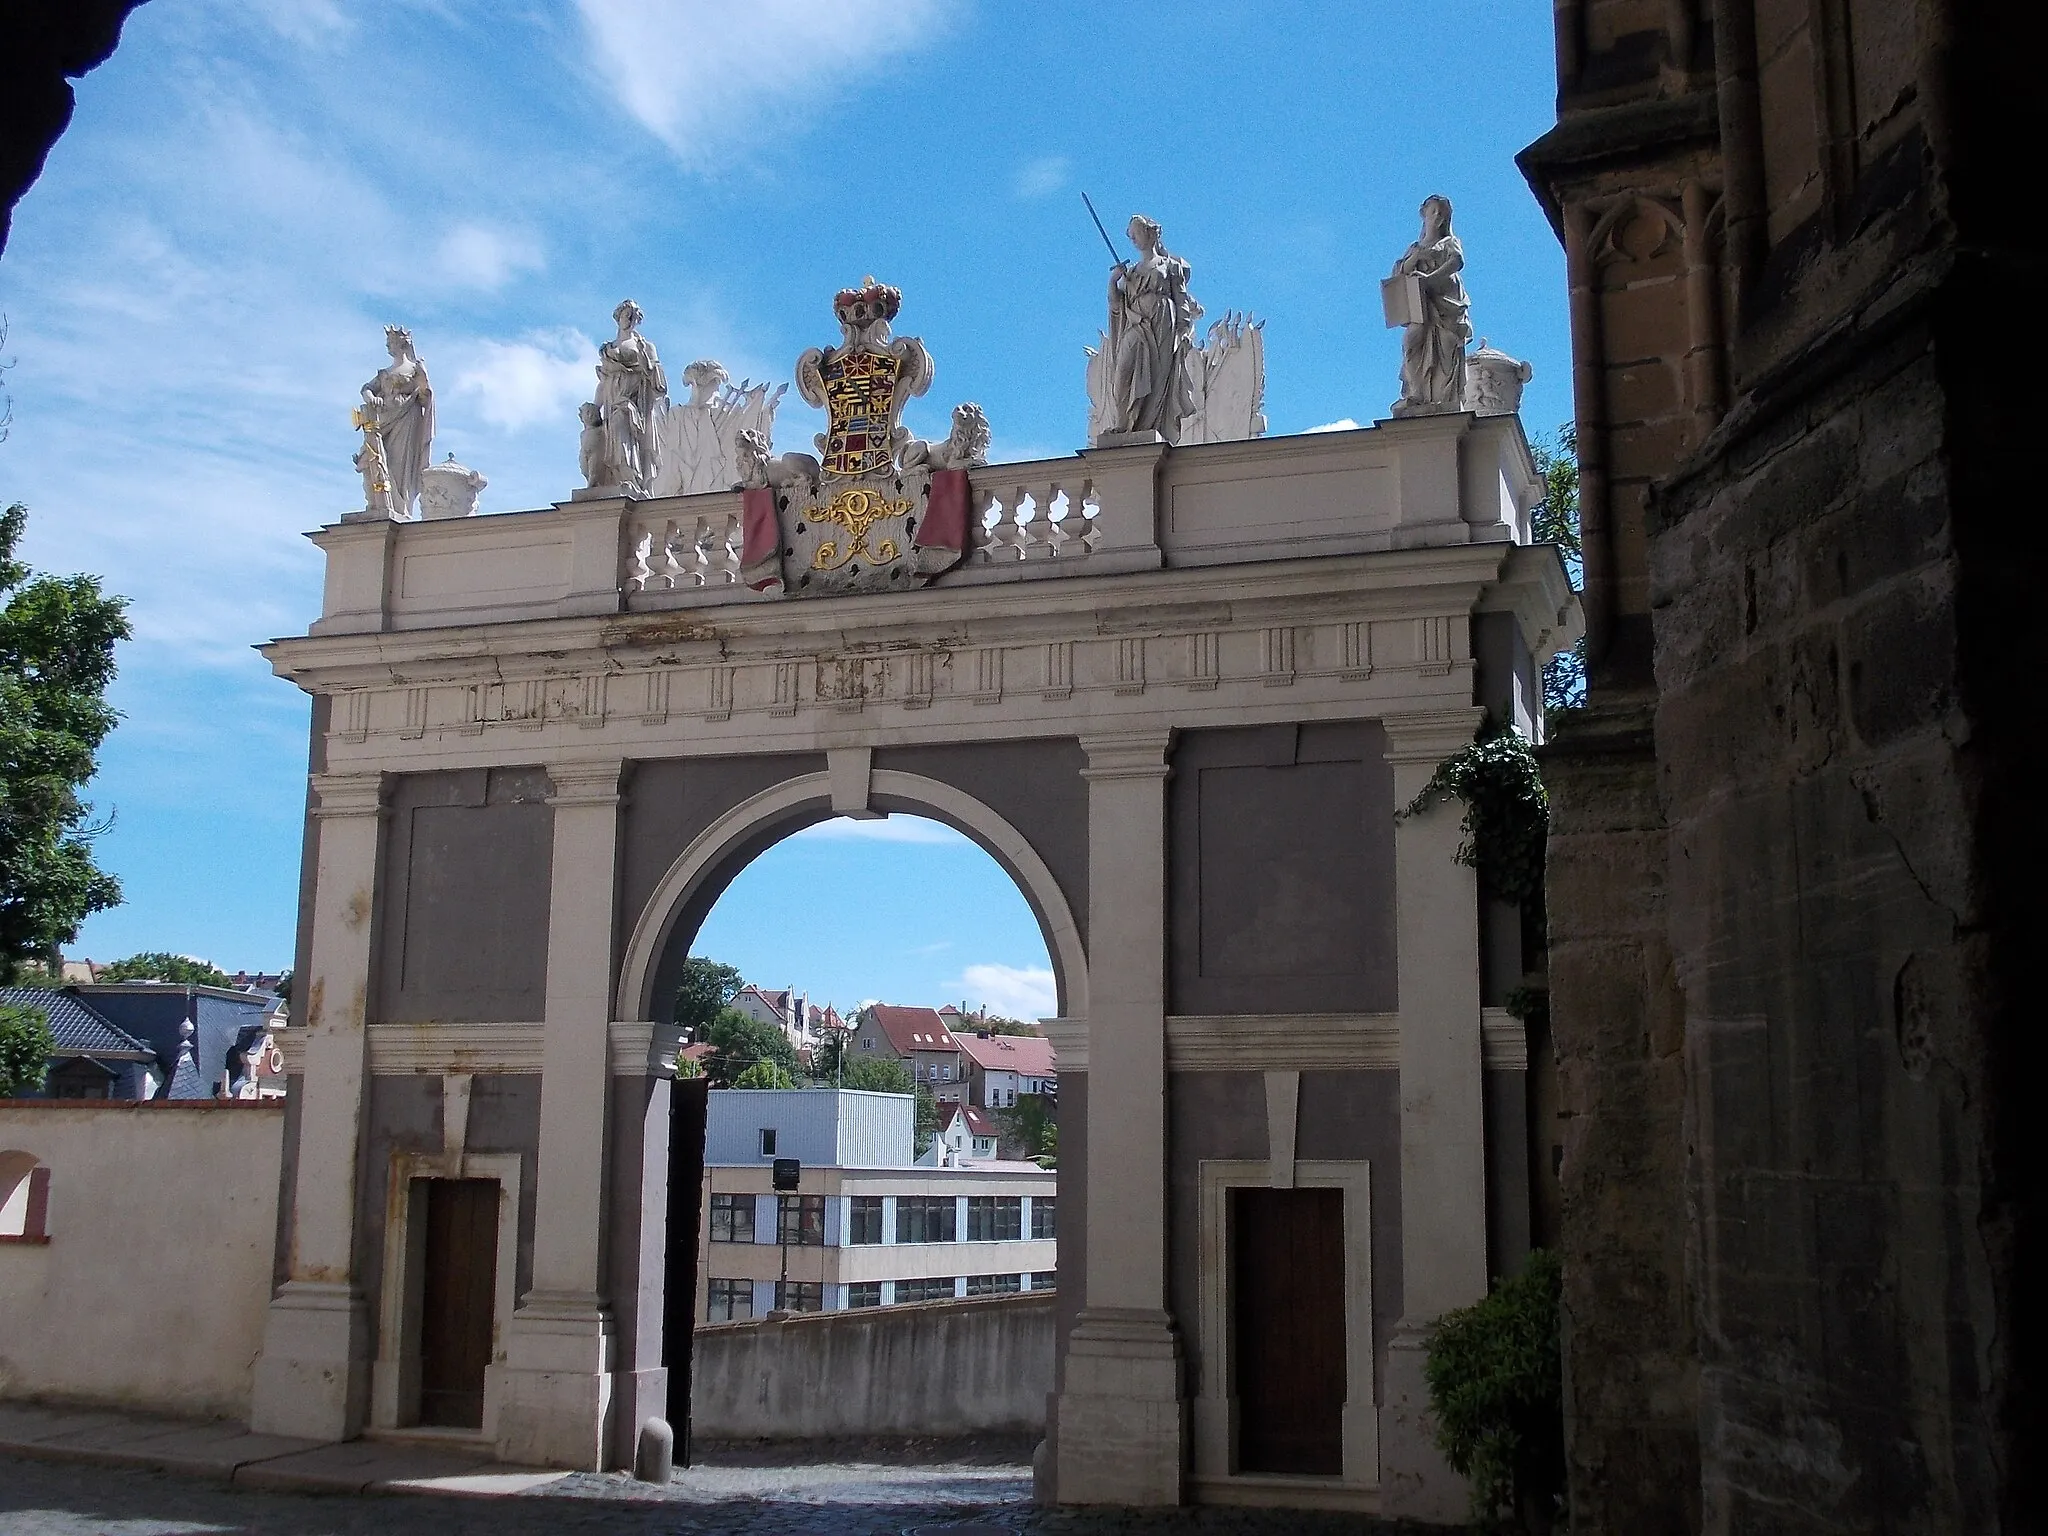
{"x": 1794, "y": 879}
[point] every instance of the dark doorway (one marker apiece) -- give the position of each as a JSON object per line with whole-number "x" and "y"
{"x": 685, "y": 1217}
{"x": 456, "y": 1300}
{"x": 1287, "y": 1328}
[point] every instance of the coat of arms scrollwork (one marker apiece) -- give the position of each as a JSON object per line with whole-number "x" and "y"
{"x": 875, "y": 509}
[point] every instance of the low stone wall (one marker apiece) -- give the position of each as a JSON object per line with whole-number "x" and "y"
{"x": 933, "y": 1368}
{"x": 149, "y": 1290}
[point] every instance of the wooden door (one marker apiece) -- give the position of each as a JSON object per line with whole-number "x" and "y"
{"x": 457, "y": 1294}
{"x": 1287, "y": 1328}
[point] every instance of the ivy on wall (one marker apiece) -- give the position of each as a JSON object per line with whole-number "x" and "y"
{"x": 1507, "y": 815}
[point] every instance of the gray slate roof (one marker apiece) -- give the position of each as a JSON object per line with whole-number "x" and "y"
{"x": 81, "y": 1030}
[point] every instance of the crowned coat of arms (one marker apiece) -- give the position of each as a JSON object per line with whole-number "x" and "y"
{"x": 876, "y": 510}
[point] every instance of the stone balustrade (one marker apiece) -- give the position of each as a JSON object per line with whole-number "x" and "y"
{"x": 1415, "y": 482}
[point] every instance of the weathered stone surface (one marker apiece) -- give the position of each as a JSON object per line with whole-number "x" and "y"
{"x": 1844, "y": 600}
{"x": 1614, "y": 1016}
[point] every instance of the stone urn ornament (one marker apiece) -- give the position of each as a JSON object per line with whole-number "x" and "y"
{"x": 449, "y": 489}
{"x": 1493, "y": 381}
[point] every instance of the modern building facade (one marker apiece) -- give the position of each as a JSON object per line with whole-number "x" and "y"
{"x": 865, "y": 1226}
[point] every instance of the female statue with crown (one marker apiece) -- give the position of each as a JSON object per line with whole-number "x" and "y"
{"x": 632, "y": 395}
{"x": 397, "y": 419}
{"x": 1151, "y": 332}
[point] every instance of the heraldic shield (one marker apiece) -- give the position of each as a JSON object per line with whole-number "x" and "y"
{"x": 878, "y": 510}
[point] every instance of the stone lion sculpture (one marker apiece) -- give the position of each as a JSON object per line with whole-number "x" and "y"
{"x": 965, "y": 448}
{"x": 758, "y": 467}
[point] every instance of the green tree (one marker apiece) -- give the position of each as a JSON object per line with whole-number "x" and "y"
{"x": 927, "y": 1118}
{"x": 764, "y": 1074}
{"x": 738, "y": 1042}
{"x": 706, "y": 988}
{"x": 26, "y": 1045}
{"x": 57, "y": 637}
{"x": 996, "y": 1024}
{"x": 1556, "y": 521}
{"x": 1496, "y": 1387}
{"x": 879, "y": 1074}
{"x": 156, "y": 965}
{"x": 1029, "y": 1128}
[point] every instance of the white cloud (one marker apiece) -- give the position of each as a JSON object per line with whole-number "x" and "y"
{"x": 480, "y": 256}
{"x": 1344, "y": 425}
{"x": 1016, "y": 991}
{"x": 519, "y": 384}
{"x": 306, "y": 22}
{"x": 894, "y": 829}
{"x": 1042, "y": 177}
{"x": 697, "y": 71}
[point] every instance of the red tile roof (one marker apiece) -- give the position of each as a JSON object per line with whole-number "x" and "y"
{"x": 913, "y": 1029}
{"x": 979, "y": 1122}
{"x": 1030, "y": 1055}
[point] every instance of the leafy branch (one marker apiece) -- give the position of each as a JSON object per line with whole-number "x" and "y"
{"x": 1507, "y": 814}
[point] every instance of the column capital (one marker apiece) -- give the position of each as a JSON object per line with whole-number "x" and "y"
{"x": 348, "y": 794}
{"x": 1127, "y": 755}
{"x": 586, "y": 782}
{"x": 1430, "y": 735}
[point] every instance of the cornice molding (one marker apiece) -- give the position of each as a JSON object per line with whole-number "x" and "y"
{"x": 1127, "y": 755}
{"x": 1429, "y": 735}
{"x": 1069, "y": 1039}
{"x": 1503, "y": 1041}
{"x": 585, "y": 783}
{"x": 643, "y": 1050}
{"x": 1302, "y": 1042}
{"x": 348, "y": 794}
{"x": 483, "y": 1049}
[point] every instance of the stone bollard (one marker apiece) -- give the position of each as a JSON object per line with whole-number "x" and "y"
{"x": 655, "y": 1461}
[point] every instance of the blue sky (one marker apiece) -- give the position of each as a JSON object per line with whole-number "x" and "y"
{"x": 251, "y": 189}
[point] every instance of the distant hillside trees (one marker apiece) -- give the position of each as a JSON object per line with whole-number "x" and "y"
{"x": 155, "y": 965}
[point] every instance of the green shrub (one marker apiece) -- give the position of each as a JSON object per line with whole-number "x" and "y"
{"x": 25, "y": 1047}
{"x": 1496, "y": 1386}
{"x": 879, "y": 1074}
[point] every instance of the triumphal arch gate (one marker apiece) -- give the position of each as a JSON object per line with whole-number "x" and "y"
{"x": 1179, "y": 684}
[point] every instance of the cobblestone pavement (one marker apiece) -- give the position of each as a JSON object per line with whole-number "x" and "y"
{"x": 967, "y": 1497}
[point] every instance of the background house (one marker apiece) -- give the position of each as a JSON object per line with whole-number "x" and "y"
{"x": 227, "y": 1027}
{"x": 920, "y": 1039}
{"x": 965, "y": 1135}
{"x": 94, "y": 1058}
{"x": 1001, "y": 1067}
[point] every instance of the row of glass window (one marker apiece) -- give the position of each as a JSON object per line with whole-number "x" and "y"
{"x": 800, "y": 1219}
{"x": 733, "y": 1300}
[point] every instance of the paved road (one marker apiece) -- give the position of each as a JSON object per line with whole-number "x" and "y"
{"x": 851, "y": 1499}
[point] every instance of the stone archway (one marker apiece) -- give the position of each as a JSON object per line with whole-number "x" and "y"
{"x": 850, "y": 786}
{"x": 532, "y": 770}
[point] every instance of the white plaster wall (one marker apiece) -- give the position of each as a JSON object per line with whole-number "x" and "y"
{"x": 151, "y": 1291}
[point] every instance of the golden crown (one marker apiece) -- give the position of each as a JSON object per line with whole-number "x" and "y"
{"x": 870, "y": 301}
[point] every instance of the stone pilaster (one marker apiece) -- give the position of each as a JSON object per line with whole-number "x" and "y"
{"x": 1122, "y": 1413}
{"x": 561, "y": 1346}
{"x": 1443, "y": 1124}
{"x": 1617, "y": 1021}
{"x": 313, "y": 1375}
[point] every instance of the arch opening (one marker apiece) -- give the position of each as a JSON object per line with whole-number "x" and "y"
{"x": 661, "y": 940}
